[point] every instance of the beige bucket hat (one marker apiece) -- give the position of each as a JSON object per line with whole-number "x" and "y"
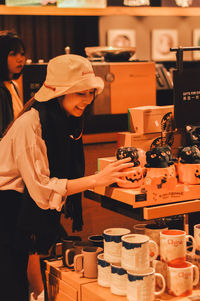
{"x": 66, "y": 74}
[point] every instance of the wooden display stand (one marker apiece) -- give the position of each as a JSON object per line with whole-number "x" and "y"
{"x": 155, "y": 203}
{"x": 66, "y": 285}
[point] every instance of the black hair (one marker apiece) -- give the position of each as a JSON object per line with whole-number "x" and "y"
{"x": 9, "y": 41}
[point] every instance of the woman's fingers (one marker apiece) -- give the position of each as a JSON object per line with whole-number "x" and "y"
{"x": 124, "y": 174}
{"x": 119, "y": 162}
{"x": 114, "y": 171}
{"x": 123, "y": 163}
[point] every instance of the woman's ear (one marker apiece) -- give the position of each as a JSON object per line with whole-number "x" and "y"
{"x": 94, "y": 96}
{"x": 60, "y": 99}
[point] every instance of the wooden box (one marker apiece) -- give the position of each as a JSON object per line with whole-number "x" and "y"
{"x": 63, "y": 284}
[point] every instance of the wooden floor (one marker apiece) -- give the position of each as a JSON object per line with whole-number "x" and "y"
{"x": 96, "y": 218}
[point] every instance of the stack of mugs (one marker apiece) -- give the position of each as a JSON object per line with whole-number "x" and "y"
{"x": 180, "y": 275}
{"x": 125, "y": 265}
{"x": 196, "y": 257}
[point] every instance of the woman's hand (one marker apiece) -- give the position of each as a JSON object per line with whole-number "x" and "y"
{"x": 113, "y": 172}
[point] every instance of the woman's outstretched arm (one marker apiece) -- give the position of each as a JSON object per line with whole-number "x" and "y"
{"x": 110, "y": 174}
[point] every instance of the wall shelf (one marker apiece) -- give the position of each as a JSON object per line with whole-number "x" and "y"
{"x": 108, "y": 11}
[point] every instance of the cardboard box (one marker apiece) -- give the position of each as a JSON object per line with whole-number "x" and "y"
{"x": 148, "y": 119}
{"x": 142, "y": 141}
{"x": 146, "y": 141}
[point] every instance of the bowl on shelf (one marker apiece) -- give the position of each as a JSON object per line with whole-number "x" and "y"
{"x": 110, "y": 54}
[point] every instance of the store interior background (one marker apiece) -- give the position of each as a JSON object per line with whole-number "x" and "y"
{"x": 47, "y": 36}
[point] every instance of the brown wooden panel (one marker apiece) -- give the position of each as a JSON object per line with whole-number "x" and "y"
{"x": 56, "y": 291}
{"x": 127, "y": 89}
{"x": 171, "y": 209}
{"x": 56, "y": 286}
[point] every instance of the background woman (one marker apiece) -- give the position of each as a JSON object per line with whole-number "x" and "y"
{"x": 12, "y": 60}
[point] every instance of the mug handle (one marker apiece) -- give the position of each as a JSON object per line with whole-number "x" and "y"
{"x": 193, "y": 245}
{"x": 67, "y": 252}
{"x": 196, "y": 275}
{"x": 161, "y": 291}
{"x": 78, "y": 263}
{"x": 154, "y": 256}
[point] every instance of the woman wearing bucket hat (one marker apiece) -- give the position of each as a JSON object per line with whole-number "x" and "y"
{"x": 42, "y": 168}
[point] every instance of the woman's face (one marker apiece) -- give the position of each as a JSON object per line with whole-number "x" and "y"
{"x": 74, "y": 104}
{"x": 16, "y": 62}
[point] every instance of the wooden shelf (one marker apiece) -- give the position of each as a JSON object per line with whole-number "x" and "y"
{"x": 108, "y": 11}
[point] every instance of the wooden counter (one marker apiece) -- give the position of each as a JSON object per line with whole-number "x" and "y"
{"x": 66, "y": 285}
{"x": 94, "y": 292}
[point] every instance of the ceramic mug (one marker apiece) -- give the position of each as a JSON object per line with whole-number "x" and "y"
{"x": 197, "y": 236}
{"x": 136, "y": 252}
{"x": 141, "y": 285}
{"x": 67, "y": 259}
{"x": 66, "y": 244}
{"x": 153, "y": 231}
{"x": 113, "y": 244}
{"x": 86, "y": 262}
{"x": 173, "y": 245}
{"x": 104, "y": 271}
{"x": 139, "y": 228}
{"x": 96, "y": 240}
{"x": 74, "y": 248}
{"x": 181, "y": 277}
{"x": 118, "y": 282}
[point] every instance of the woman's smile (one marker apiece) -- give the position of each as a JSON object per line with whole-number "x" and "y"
{"x": 75, "y": 103}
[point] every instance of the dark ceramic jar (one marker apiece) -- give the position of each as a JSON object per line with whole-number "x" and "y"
{"x": 135, "y": 179}
{"x": 125, "y": 152}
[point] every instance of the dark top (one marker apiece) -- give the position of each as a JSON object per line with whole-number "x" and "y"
{"x": 6, "y": 108}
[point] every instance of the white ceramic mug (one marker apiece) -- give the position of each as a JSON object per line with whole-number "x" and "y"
{"x": 141, "y": 285}
{"x": 104, "y": 271}
{"x": 136, "y": 251}
{"x": 161, "y": 268}
{"x": 118, "y": 283}
{"x": 197, "y": 236}
{"x": 181, "y": 277}
{"x": 173, "y": 245}
{"x": 113, "y": 244}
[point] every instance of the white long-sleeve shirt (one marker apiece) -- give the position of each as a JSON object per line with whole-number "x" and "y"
{"x": 24, "y": 161}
